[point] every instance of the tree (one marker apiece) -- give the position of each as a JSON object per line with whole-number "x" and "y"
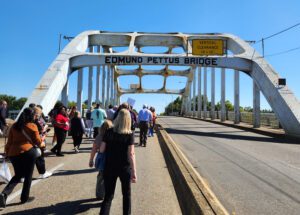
{"x": 12, "y": 102}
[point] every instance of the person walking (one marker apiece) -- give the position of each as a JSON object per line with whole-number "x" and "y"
{"x": 110, "y": 113}
{"x": 98, "y": 116}
{"x": 61, "y": 127}
{"x": 100, "y": 159}
{"x": 89, "y": 122}
{"x": 40, "y": 161}
{"x": 152, "y": 124}
{"x": 21, "y": 151}
{"x": 77, "y": 130}
{"x": 144, "y": 118}
{"x": 118, "y": 144}
{"x": 3, "y": 116}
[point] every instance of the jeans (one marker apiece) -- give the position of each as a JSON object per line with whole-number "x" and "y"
{"x": 40, "y": 163}
{"x": 61, "y": 137}
{"x": 110, "y": 180}
{"x": 23, "y": 166}
{"x": 100, "y": 189}
{"x": 143, "y": 132}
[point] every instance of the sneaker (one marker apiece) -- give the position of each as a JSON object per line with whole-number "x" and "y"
{"x": 3, "y": 197}
{"x": 76, "y": 149}
{"x": 45, "y": 175}
{"x": 59, "y": 155}
{"x": 53, "y": 151}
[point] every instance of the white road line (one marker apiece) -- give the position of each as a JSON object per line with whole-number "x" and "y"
{"x": 17, "y": 193}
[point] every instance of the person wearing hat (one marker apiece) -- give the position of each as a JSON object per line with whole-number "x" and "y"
{"x": 144, "y": 118}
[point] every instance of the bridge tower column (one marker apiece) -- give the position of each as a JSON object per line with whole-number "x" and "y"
{"x": 98, "y": 79}
{"x": 90, "y": 82}
{"x": 199, "y": 93}
{"x": 212, "y": 109}
{"x": 65, "y": 94}
{"x": 79, "y": 90}
{"x": 107, "y": 86}
{"x": 190, "y": 100}
{"x": 186, "y": 109}
{"x": 256, "y": 106}
{"x": 205, "y": 93}
{"x": 103, "y": 86}
{"x": 194, "y": 94}
{"x": 236, "y": 97}
{"x": 223, "y": 107}
{"x": 112, "y": 85}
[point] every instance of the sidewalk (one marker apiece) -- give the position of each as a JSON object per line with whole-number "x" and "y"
{"x": 71, "y": 189}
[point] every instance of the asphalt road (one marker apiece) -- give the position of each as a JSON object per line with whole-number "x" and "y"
{"x": 71, "y": 189}
{"x": 248, "y": 172}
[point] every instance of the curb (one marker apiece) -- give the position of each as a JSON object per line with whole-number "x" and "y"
{"x": 194, "y": 195}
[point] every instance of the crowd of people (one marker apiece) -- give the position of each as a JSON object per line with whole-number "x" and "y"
{"x": 112, "y": 153}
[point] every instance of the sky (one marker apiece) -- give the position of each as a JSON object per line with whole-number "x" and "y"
{"x": 30, "y": 31}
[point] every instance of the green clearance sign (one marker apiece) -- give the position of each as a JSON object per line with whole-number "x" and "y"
{"x": 207, "y": 47}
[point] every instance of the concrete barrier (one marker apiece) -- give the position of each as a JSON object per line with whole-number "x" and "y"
{"x": 194, "y": 195}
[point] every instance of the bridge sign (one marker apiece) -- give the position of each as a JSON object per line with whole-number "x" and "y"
{"x": 207, "y": 47}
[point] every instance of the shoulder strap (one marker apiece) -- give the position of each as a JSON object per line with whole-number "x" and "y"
{"x": 27, "y": 137}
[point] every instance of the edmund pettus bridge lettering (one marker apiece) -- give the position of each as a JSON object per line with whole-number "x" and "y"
{"x": 161, "y": 60}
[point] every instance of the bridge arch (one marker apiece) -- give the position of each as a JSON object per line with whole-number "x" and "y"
{"x": 106, "y": 51}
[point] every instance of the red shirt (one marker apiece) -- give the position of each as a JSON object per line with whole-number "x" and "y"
{"x": 62, "y": 119}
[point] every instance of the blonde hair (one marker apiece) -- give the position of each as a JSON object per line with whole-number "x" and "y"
{"x": 122, "y": 124}
{"x": 107, "y": 124}
{"x": 37, "y": 110}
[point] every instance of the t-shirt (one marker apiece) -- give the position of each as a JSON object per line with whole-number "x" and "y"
{"x": 98, "y": 116}
{"x": 62, "y": 119}
{"x": 117, "y": 150}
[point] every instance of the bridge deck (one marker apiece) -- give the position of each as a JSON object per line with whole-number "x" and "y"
{"x": 71, "y": 190}
{"x": 249, "y": 173}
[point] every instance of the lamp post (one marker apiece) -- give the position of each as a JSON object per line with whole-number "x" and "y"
{"x": 172, "y": 104}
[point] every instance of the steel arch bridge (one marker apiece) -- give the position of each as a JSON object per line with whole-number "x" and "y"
{"x": 96, "y": 50}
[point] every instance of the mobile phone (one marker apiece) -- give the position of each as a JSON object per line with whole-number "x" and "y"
{"x": 45, "y": 132}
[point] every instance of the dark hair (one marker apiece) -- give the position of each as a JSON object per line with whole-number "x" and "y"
{"x": 97, "y": 105}
{"x": 26, "y": 116}
{"x": 110, "y": 106}
{"x": 32, "y": 105}
{"x": 60, "y": 108}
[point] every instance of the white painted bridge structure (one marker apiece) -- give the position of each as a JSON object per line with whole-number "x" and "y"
{"x": 97, "y": 51}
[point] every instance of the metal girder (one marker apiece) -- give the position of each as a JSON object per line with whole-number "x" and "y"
{"x": 243, "y": 58}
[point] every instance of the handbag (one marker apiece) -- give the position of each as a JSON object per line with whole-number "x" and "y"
{"x": 5, "y": 172}
{"x": 37, "y": 150}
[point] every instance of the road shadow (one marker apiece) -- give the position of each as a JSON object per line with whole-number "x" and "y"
{"x": 231, "y": 136}
{"x": 74, "y": 172}
{"x": 62, "y": 208}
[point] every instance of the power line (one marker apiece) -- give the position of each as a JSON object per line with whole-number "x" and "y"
{"x": 273, "y": 35}
{"x": 283, "y": 52}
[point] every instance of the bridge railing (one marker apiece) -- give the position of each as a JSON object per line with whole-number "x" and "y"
{"x": 266, "y": 119}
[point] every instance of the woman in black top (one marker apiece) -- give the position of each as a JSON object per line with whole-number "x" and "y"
{"x": 77, "y": 130}
{"x": 120, "y": 161}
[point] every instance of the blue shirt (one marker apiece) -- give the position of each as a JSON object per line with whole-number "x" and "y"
{"x": 145, "y": 115}
{"x": 98, "y": 116}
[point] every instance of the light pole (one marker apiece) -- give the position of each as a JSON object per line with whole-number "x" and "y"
{"x": 172, "y": 104}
